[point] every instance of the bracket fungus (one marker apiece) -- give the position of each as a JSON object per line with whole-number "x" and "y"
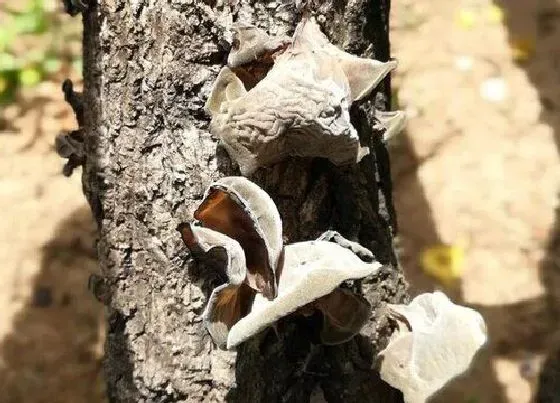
{"x": 240, "y": 222}
{"x": 310, "y": 277}
{"x": 391, "y": 122}
{"x": 290, "y": 97}
{"x": 206, "y": 240}
{"x": 436, "y": 341}
{"x": 228, "y": 302}
{"x": 240, "y": 225}
{"x": 240, "y": 209}
{"x": 252, "y": 53}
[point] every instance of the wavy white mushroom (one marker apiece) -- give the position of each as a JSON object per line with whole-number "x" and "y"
{"x": 266, "y": 281}
{"x": 310, "y": 280}
{"x": 436, "y": 342}
{"x": 291, "y": 97}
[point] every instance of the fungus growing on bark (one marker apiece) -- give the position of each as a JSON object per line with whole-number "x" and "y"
{"x": 392, "y": 122}
{"x": 228, "y": 87}
{"x": 253, "y": 52}
{"x": 252, "y": 43}
{"x": 243, "y": 211}
{"x": 300, "y": 107}
{"x": 226, "y": 306}
{"x": 205, "y": 240}
{"x": 310, "y": 278}
{"x": 436, "y": 342}
{"x": 240, "y": 225}
{"x": 228, "y": 302}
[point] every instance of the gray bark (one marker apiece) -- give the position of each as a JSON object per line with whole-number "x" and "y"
{"x": 148, "y": 68}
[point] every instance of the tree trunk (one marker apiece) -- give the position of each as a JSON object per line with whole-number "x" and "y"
{"x": 148, "y": 69}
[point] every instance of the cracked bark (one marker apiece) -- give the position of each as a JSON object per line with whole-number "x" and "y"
{"x": 148, "y": 68}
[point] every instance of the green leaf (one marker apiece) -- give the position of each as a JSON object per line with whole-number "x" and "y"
{"x": 7, "y": 36}
{"x": 7, "y": 62}
{"x": 51, "y": 65}
{"x": 9, "y": 85}
{"x": 33, "y": 21}
{"x": 30, "y": 76}
{"x": 3, "y": 84}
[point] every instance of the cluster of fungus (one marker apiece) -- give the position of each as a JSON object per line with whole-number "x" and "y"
{"x": 281, "y": 97}
{"x": 267, "y": 280}
{"x": 238, "y": 222}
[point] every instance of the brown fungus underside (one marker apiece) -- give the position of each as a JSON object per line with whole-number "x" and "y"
{"x": 221, "y": 213}
{"x": 239, "y": 218}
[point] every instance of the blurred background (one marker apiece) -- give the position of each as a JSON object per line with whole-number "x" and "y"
{"x": 476, "y": 179}
{"x": 51, "y": 328}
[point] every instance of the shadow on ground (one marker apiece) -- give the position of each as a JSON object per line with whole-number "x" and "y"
{"x": 531, "y": 326}
{"x": 417, "y": 232}
{"x": 53, "y": 353}
{"x": 539, "y": 22}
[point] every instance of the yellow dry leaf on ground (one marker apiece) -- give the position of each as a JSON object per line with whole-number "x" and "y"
{"x": 444, "y": 262}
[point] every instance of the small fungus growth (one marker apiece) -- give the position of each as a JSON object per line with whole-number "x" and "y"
{"x": 240, "y": 220}
{"x": 243, "y": 211}
{"x": 392, "y": 123}
{"x": 228, "y": 302}
{"x": 206, "y": 240}
{"x": 436, "y": 342}
{"x": 291, "y": 97}
{"x": 281, "y": 97}
{"x": 265, "y": 280}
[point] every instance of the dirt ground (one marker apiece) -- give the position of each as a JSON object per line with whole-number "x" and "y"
{"x": 477, "y": 166}
{"x": 51, "y": 328}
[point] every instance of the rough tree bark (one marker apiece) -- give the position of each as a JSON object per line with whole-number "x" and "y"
{"x": 148, "y": 68}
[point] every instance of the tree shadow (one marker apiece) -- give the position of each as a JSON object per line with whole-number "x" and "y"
{"x": 53, "y": 353}
{"x": 417, "y": 231}
{"x": 530, "y": 326}
{"x": 537, "y": 23}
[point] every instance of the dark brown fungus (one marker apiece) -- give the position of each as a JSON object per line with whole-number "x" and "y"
{"x": 241, "y": 210}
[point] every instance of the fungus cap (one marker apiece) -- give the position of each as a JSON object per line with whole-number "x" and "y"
{"x": 437, "y": 343}
{"x": 250, "y": 43}
{"x": 393, "y": 122}
{"x": 311, "y": 270}
{"x": 208, "y": 240}
{"x": 243, "y": 211}
{"x": 227, "y": 304}
{"x": 300, "y": 107}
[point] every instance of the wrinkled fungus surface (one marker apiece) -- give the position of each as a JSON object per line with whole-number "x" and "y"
{"x": 436, "y": 342}
{"x": 290, "y": 97}
{"x": 312, "y": 272}
{"x": 266, "y": 281}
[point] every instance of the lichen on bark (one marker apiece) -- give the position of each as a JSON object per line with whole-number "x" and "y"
{"x": 148, "y": 69}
